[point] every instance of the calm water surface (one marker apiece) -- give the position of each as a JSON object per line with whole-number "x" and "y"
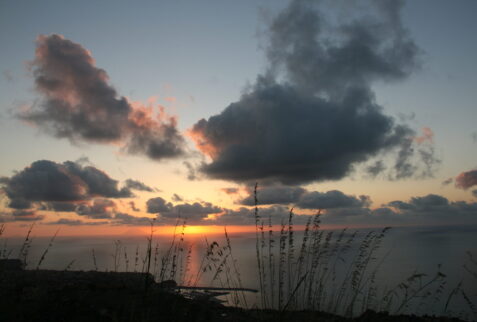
{"x": 405, "y": 251}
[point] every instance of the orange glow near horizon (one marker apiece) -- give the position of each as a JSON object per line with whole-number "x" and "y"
{"x": 190, "y": 231}
{"x": 42, "y": 230}
{"x": 201, "y": 230}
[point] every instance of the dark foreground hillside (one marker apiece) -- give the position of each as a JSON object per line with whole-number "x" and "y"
{"x": 43, "y": 295}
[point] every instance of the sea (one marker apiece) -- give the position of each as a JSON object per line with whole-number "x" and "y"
{"x": 413, "y": 270}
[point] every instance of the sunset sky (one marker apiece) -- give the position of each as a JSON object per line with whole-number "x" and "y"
{"x": 113, "y": 113}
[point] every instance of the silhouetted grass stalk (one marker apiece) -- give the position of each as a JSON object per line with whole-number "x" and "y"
{"x": 23, "y": 254}
{"x": 42, "y": 258}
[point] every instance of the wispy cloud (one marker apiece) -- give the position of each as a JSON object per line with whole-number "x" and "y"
{"x": 137, "y": 185}
{"x": 125, "y": 219}
{"x": 76, "y": 222}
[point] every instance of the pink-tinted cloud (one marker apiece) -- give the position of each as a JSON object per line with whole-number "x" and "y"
{"x": 80, "y": 104}
{"x": 170, "y": 99}
{"x": 427, "y": 135}
{"x": 465, "y": 180}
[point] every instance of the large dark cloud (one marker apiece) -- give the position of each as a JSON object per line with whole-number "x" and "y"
{"x": 465, "y": 180}
{"x": 277, "y": 133}
{"x": 48, "y": 181}
{"x": 313, "y": 115}
{"x": 79, "y": 104}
